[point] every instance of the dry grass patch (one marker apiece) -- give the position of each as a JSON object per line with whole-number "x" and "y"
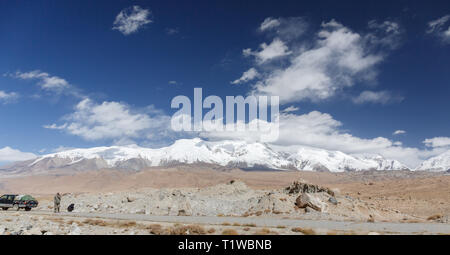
{"x": 226, "y": 224}
{"x": 155, "y": 229}
{"x": 93, "y": 222}
{"x": 230, "y": 232}
{"x": 265, "y": 231}
{"x": 57, "y": 220}
{"x": 435, "y": 217}
{"x": 125, "y": 224}
{"x": 236, "y": 224}
{"x": 252, "y": 225}
{"x": 187, "y": 230}
{"x": 211, "y": 230}
{"x": 70, "y": 222}
{"x": 115, "y": 224}
{"x": 332, "y": 233}
{"x": 411, "y": 220}
{"x": 305, "y": 231}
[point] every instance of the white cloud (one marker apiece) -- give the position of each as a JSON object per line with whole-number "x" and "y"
{"x": 172, "y": 31}
{"x": 269, "y": 23}
{"x": 440, "y": 28}
{"x": 6, "y": 97}
{"x": 321, "y": 130}
{"x": 291, "y": 109}
{"x": 285, "y": 28}
{"x": 399, "y": 132}
{"x": 8, "y": 154}
{"x": 109, "y": 120}
{"x": 62, "y": 148}
{"x": 173, "y": 82}
{"x": 386, "y": 33}
{"x": 247, "y": 76}
{"x": 46, "y": 81}
{"x": 55, "y": 127}
{"x": 316, "y": 70}
{"x": 131, "y": 19}
{"x": 380, "y": 97}
{"x": 437, "y": 142}
{"x": 274, "y": 50}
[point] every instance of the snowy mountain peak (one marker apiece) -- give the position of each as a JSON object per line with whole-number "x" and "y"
{"x": 439, "y": 163}
{"x": 240, "y": 154}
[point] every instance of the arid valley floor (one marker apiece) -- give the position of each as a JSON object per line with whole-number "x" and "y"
{"x": 201, "y": 200}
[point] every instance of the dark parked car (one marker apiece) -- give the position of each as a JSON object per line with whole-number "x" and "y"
{"x": 18, "y": 201}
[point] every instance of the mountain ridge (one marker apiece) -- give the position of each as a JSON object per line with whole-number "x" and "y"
{"x": 232, "y": 154}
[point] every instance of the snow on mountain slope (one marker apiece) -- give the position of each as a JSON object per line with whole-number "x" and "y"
{"x": 439, "y": 163}
{"x": 225, "y": 153}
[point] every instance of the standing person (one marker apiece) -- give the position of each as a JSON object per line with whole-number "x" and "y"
{"x": 57, "y": 201}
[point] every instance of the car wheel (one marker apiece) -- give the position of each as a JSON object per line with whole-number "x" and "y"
{"x": 5, "y": 208}
{"x": 27, "y": 209}
{"x": 16, "y": 207}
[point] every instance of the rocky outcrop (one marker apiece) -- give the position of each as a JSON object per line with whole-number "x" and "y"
{"x": 301, "y": 187}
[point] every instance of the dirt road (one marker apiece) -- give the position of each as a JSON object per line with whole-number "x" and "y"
{"x": 272, "y": 222}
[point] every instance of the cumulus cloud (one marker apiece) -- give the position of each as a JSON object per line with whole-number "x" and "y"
{"x": 46, "y": 81}
{"x": 8, "y": 154}
{"x": 274, "y": 50}
{"x": 437, "y": 142}
{"x": 399, "y": 132}
{"x": 335, "y": 59}
{"x": 247, "y": 76}
{"x": 6, "y": 97}
{"x": 109, "y": 120}
{"x": 321, "y": 130}
{"x": 440, "y": 28}
{"x": 380, "y": 97}
{"x": 131, "y": 19}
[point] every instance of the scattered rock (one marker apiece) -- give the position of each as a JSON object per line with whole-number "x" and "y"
{"x": 141, "y": 211}
{"x": 34, "y": 231}
{"x": 333, "y": 200}
{"x": 182, "y": 213}
{"x": 75, "y": 230}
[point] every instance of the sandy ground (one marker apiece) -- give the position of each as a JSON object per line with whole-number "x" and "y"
{"x": 396, "y": 197}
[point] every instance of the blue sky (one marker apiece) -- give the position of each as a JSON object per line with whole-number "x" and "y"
{"x": 354, "y": 72}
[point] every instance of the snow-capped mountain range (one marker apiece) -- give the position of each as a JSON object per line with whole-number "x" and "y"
{"x": 239, "y": 154}
{"x": 439, "y": 163}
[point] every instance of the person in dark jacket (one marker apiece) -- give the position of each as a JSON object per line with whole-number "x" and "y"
{"x": 57, "y": 202}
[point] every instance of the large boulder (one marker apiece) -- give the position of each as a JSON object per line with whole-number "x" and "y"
{"x": 309, "y": 200}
